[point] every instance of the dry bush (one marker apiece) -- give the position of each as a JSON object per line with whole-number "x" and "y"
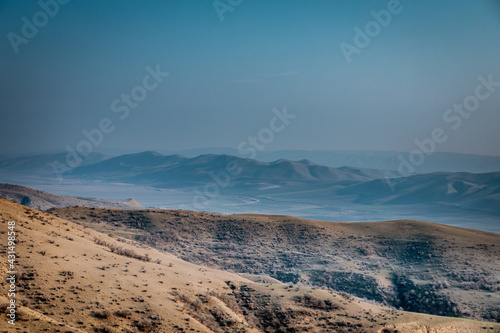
{"x": 144, "y": 325}
{"x": 121, "y": 251}
{"x": 4, "y": 306}
{"x": 123, "y": 313}
{"x": 68, "y": 274}
{"x": 104, "y": 329}
{"x": 389, "y": 330}
{"x": 314, "y": 302}
{"x": 230, "y": 302}
{"x": 102, "y": 314}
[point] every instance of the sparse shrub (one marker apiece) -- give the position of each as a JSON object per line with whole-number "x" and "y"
{"x": 25, "y": 302}
{"x": 389, "y": 330}
{"x": 124, "y": 313}
{"x": 4, "y": 306}
{"x": 252, "y": 320}
{"x": 102, "y": 314}
{"x": 230, "y": 302}
{"x": 314, "y": 302}
{"x": 365, "y": 249}
{"x": 68, "y": 274}
{"x": 121, "y": 251}
{"x": 104, "y": 329}
{"x": 197, "y": 304}
{"x": 144, "y": 325}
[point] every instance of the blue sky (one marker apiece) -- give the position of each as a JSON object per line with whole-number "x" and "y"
{"x": 227, "y": 76}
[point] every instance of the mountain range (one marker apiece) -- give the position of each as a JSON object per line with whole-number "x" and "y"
{"x": 155, "y": 169}
{"x": 381, "y": 160}
{"x": 467, "y": 190}
{"x": 228, "y": 184}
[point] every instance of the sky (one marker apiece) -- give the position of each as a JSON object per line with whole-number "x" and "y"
{"x": 233, "y": 66}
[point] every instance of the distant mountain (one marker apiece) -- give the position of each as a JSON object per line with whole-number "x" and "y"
{"x": 228, "y": 183}
{"x": 43, "y": 200}
{"x": 155, "y": 169}
{"x": 41, "y": 165}
{"x": 302, "y": 180}
{"x": 467, "y": 190}
{"x": 382, "y": 160}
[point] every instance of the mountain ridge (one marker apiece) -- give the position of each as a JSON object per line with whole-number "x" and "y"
{"x": 159, "y": 168}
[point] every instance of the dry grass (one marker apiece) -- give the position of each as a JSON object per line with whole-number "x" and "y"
{"x": 68, "y": 291}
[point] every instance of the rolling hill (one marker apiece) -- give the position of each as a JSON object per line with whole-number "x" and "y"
{"x": 43, "y": 200}
{"x": 467, "y": 190}
{"x": 74, "y": 279}
{"x": 416, "y": 266}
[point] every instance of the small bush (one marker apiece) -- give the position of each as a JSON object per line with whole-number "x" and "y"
{"x": 125, "y": 313}
{"x": 68, "y": 274}
{"x": 311, "y": 301}
{"x": 104, "y": 329}
{"x": 121, "y": 251}
{"x": 103, "y": 314}
{"x": 4, "y": 306}
{"x": 144, "y": 325}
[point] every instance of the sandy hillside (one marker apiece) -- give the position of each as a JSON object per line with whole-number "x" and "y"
{"x": 416, "y": 266}
{"x": 72, "y": 279}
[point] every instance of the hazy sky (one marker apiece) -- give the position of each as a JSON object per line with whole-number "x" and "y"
{"x": 226, "y": 76}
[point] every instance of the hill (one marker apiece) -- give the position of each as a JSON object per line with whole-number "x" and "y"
{"x": 417, "y": 266}
{"x": 43, "y": 200}
{"x": 73, "y": 279}
{"x": 469, "y": 191}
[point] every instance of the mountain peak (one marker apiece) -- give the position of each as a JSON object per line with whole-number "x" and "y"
{"x": 306, "y": 161}
{"x": 148, "y": 153}
{"x": 281, "y": 160}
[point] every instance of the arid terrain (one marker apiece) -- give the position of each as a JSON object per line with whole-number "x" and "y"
{"x": 233, "y": 166}
{"x": 74, "y": 279}
{"x": 415, "y": 266}
{"x": 43, "y": 200}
